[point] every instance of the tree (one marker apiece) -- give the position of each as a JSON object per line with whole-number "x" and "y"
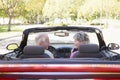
{"x": 12, "y": 8}
{"x": 95, "y": 8}
{"x": 61, "y": 8}
{"x": 34, "y": 10}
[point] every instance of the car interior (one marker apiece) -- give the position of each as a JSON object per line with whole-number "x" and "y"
{"x": 62, "y": 44}
{"x": 33, "y": 52}
{"x": 84, "y": 51}
{"x": 88, "y": 51}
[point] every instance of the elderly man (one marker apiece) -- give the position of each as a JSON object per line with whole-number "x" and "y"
{"x": 43, "y": 40}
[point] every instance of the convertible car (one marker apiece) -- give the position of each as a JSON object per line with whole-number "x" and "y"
{"x": 96, "y": 60}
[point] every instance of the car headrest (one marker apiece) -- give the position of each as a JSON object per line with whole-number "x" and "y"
{"x": 35, "y": 50}
{"x": 88, "y": 48}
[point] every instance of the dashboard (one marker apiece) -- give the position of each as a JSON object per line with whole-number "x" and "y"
{"x": 62, "y": 50}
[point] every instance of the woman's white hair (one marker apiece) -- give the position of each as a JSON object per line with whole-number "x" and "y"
{"x": 81, "y": 36}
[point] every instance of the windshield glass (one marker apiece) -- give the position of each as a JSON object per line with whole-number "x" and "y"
{"x": 58, "y": 39}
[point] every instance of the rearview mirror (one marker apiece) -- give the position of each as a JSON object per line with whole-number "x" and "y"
{"x": 12, "y": 46}
{"x": 113, "y": 46}
{"x": 61, "y": 34}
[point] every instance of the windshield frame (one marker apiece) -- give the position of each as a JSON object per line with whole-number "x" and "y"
{"x": 68, "y": 28}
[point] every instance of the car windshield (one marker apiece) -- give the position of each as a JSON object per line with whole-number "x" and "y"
{"x": 61, "y": 39}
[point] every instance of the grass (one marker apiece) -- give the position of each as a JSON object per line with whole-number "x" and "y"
{"x": 14, "y": 28}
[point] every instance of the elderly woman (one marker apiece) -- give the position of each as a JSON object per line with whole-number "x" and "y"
{"x": 79, "y": 38}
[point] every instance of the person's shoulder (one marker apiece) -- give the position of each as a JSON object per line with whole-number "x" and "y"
{"x": 73, "y": 54}
{"x": 49, "y": 53}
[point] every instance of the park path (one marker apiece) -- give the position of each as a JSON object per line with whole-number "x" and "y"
{"x": 7, "y": 35}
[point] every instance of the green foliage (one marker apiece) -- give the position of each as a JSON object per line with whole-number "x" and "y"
{"x": 2, "y": 13}
{"x": 33, "y": 10}
{"x": 96, "y": 8}
{"x": 51, "y": 23}
{"x": 61, "y": 8}
{"x": 39, "y": 11}
{"x": 12, "y": 8}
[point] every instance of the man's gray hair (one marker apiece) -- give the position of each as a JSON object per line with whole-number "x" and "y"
{"x": 41, "y": 37}
{"x": 81, "y": 36}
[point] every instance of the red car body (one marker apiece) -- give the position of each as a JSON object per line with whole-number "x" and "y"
{"x": 59, "y": 71}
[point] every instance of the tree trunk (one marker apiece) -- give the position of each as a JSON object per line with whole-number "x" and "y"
{"x": 9, "y": 24}
{"x": 38, "y": 17}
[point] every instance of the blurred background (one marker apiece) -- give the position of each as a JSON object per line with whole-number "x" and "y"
{"x": 17, "y": 15}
